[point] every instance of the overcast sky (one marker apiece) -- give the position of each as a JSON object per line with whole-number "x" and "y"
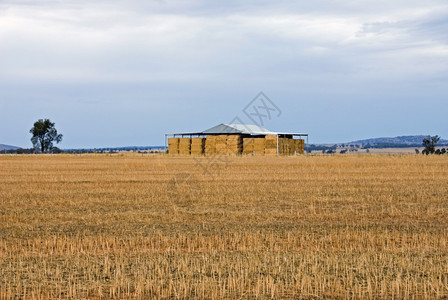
{"x": 118, "y": 73}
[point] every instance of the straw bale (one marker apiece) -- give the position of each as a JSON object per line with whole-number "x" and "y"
{"x": 184, "y": 146}
{"x": 221, "y": 139}
{"x": 184, "y": 151}
{"x": 283, "y": 146}
{"x": 184, "y": 141}
{"x": 248, "y": 141}
{"x": 197, "y": 141}
{"x": 270, "y": 144}
{"x": 299, "y": 146}
{"x": 248, "y": 145}
{"x": 234, "y": 137}
{"x": 210, "y": 144}
{"x": 196, "y": 152}
{"x": 173, "y": 146}
{"x": 197, "y": 145}
{"x": 291, "y": 146}
{"x": 172, "y": 141}
{"x": 259, "y": 144}
{"x": 270, "y": 152}
{"x": 173, "y": 150}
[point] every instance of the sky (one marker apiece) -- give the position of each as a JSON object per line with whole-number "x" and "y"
{"x": 122, "y": 73}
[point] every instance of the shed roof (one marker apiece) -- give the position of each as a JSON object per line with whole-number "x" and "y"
{"x": 238, "y": 129}
{"x": 249, "y": 129}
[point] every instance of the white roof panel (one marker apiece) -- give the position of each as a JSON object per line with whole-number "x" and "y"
{"x": 238, "y": 129}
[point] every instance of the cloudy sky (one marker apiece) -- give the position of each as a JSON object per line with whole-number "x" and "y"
{"x": 117, "y": 73}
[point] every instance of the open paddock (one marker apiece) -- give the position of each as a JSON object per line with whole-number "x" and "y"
{"x": 154, "y": 226}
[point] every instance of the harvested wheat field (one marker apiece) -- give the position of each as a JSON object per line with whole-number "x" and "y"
{"x": 152, "y": 226}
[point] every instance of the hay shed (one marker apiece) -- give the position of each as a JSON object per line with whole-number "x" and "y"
{"x": 236, "y": 139}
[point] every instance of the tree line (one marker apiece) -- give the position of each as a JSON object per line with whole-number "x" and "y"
{"x": 45, "y": 135}
{"x": 430, "y": 144}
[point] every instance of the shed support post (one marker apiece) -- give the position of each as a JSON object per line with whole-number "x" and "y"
{"x": 166, "y": 137}
{"x": 277, "y": 144}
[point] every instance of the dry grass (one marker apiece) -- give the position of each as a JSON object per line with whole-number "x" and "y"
{"x": 315, "y": 227}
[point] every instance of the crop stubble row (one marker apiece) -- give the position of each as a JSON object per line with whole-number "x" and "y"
{"x": 283, "y": 227}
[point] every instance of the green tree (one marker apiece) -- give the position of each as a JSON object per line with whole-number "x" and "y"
{"x": 430, "y": 143}
{"x": 44, "y": 134}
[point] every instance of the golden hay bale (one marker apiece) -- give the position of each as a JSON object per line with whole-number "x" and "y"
{"x": 184, "y": 146}
{"x": 172, "y": 141}
{"x": 291, "y": 146}
{"x": 173, "y": 146}
{"x": 173, "y": 150}
{"x": 234, "y": 137}
{"x": 299, "y": 145}
{"x": 259, "y": 144}
{"x": 248, "y": 149}
{"x": 197, "y": 141}
{"x": 270, "y": 152}
{"x": 271, "y": 144}
{"x": 184, "y": 141}
{"x": 248, "y": 145}
{"x": 248, "y": 141}
{"x": 210, "y": 145}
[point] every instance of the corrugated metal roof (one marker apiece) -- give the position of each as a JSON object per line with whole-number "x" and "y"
{"x": 238, "y": 129}
{"x": 248, "y": 129}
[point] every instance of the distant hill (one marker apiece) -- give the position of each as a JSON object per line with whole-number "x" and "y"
{"x": 117, "y": 149}
{"x": 400, "y": 141}
{"x": 8, "y": 147}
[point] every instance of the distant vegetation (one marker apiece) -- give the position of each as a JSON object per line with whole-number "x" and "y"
{"x": 430, "y": 144}
{"x": 44, "y": 135}
{"x": 395, "y": 142}
{"x": 8, "y": 147}
{"x": 140, "y": 149}
{"x": 417, "y": 141}
{"x": 149, "y": 149}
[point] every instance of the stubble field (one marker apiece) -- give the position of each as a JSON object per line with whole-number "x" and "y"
{"x": 151, "y": 226}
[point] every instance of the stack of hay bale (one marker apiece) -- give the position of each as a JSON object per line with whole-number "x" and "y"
{"x": 259, "y": 144}
{"x": 221, "y": 144}
{"x": 291, "y": 147}
{"x": 184, "y": 146}
{"x": 286, "y": 146}
{"x": 197, "y": 146}
{"x": 234, "y": 144}
{"x": 210, "y": 145}
{"x": 299, "y": 146}
{"x": 281, "y": 146}
{"x": 173, "y": 146}
{"x": 248, "y": 146}
{"x": 271, "y": 145}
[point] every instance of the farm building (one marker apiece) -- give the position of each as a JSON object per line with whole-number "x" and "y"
{"x": 236, "y": 139}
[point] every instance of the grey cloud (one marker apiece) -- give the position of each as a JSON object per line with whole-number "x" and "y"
{"x": 185, "y": 54}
